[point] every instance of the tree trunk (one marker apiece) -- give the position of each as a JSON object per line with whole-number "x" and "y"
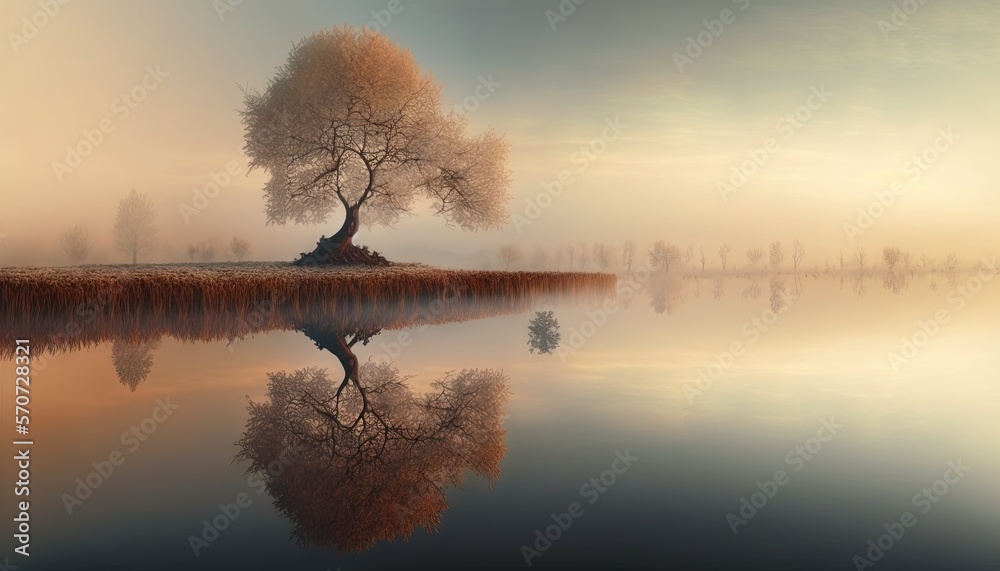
{"x": 339, "y": 249}
{"x": 135, "y": 255}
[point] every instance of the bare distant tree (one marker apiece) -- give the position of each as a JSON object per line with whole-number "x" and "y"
{"x": 570, "y": 250}
{"x": 628, "y": 255}
{"x": 907, "y": 259}
{"x": 240, "y": 248}
{"x": 350, "y": 120}
{"x": 797, "y": 252}
{"x": 926, "y": 261}
{"x": 892, "y": 256}
{"x": 703, "y": 260}
{"x": 135, "y": 226}
{"x": 688, "y": 256}
{"x": 509, "y": 253}
{"x": 950, "y": 261}
{"x": 664, "y": 254}
{"x": 582, "y": 255}
{"x": 76, "y": 244}
{"x": 558, "y": 257}
{"x": 777, "y": 255}
{"x": 860, "y": 255}
{"x": 841, "y": 260}
{"x": 603, "y": 255}
{"x": 754, "y": 255}
{"x": 724, "y": 254}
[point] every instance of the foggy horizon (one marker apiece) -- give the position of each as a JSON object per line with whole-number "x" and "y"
{"x": 879, "y": 97}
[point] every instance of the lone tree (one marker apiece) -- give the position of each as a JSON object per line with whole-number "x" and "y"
{"x": 135, "y": 226}
{"x": 76, "y": 244}
{"x": 351, "y": 121}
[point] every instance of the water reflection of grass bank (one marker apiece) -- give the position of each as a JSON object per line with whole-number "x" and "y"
{"x": 65, "y": 308}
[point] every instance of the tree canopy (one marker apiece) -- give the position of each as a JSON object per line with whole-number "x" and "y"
{"x": 350, "y": 121}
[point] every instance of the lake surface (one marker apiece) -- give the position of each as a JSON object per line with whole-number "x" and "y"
{"x": 803, "y": 440}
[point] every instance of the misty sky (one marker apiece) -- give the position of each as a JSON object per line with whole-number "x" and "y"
{"x": 888, "y": 94}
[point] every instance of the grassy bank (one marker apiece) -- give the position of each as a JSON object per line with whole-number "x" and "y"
{"x": 68, "y": 308}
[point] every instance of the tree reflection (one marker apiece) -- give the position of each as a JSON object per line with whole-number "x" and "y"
{"x": 133, "y": 360}
{"x": 365, "y": 459}
{"x": 896, "y": 282}
{"x": 753, "y": 291}
{"x": 778, "y": 295}
{"x": 543, "y": 333}
{"x": 860, "y": 289}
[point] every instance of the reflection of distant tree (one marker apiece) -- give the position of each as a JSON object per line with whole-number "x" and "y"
{"x": 778, "y": 295}
{"x": 658, "y": 295}
{"x": 753, "y": 291}
{"x": 133, "y": 361}
{"x": 896, "y": 282}
{"x": 372, "y": 462}
{"x": 719, "y": 291}
{"x": 796, "y": 286}
{"x": 543, "y": 333}
{"x": 860, "y": 289}
{"x": 665, "y": 292}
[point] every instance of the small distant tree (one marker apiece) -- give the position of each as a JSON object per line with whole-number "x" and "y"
{"x": 664, "y": 254}
{"x": 907, "y": 259}
{"x": 841, "y": 261}
{"x": 754, "y": 255}
{"x": 135, "y": 226}
{"x": 240, "y": 248}
{"x": 509, "y": 253}
{"x": 628, "y": 255}
{"x": 860, "y": 255}
{"x": 892, "y": 256}
{"x": 602, "y": 255}
{"x": 202, "y": 251}
{"x": 703, "y": 260}
{"x": 582, "y": 255}
{"x": 777, "y": 255}
{"x": 543, "y": 333}
{"x": 950, "y": 261}
{"x": 797, "y": 252}
{"x": 688, "y": 256}
{"x": 724, "y": 254}
{"x": 76, "y": 243}
{"x": 570, "y": 250}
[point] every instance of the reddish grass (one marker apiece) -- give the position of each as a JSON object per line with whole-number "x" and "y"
{"x": 69, "y": 308}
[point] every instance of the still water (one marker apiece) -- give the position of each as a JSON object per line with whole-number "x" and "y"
{"x": 802, "y": 422}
